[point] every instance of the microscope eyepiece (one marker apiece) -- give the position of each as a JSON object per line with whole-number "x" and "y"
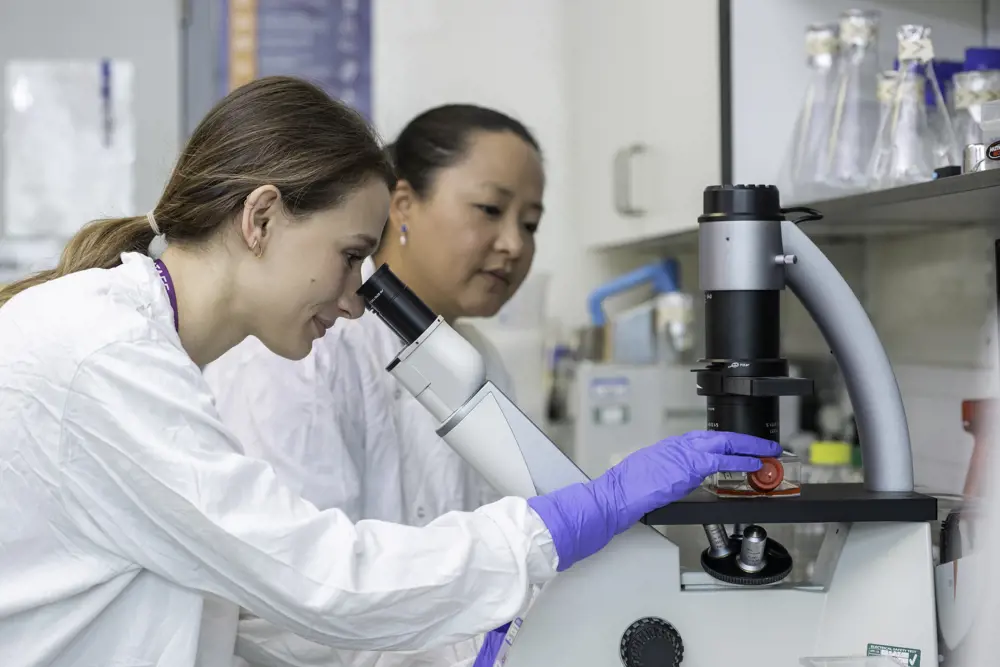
{"x": 394, "y": 303}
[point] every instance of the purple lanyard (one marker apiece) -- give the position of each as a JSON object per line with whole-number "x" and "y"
{"x": 168, "y": 285}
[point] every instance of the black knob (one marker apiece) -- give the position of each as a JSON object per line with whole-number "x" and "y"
{"x": 651, "y": 642}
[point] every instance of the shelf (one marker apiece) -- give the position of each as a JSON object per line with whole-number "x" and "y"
{"x": 818, "y": 503}
{"x": 967, "y": 200}
{"x": 955, "y": 201}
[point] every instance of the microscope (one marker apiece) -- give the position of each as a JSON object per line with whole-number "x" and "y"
{"x": 871, "y": 594}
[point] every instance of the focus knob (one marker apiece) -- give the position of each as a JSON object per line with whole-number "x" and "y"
{"x": 651, "y": 642}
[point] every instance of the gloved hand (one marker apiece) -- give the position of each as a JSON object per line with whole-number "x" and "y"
{"x": 583, "y": 518}
{"x": 491, "y": 646}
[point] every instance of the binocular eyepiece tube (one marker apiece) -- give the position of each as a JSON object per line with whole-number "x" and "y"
{"x": 394, "y": 303}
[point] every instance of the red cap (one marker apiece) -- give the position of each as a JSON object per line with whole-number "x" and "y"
{"x": 769, "y": 477}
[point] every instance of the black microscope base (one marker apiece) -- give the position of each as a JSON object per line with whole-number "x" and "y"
{"x": 818, "y": 503}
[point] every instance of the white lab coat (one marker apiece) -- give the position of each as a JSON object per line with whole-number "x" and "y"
{"x": 324, "y": 423}
{"x": 132, "y": 529}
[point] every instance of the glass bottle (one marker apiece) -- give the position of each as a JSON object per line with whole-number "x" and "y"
{"x": 854, "y": 126}
{"x": 801, "y": 173}
{"x": 944, "y": 71}
{"x": 972, "y": 90}
{"x": 908, "y": 148}
{"x": 885, "y": 92}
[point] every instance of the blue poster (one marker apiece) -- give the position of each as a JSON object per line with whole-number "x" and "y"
{"x": 327, "y": 42}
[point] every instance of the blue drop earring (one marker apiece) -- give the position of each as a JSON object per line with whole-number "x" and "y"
{"x": 402, "y": 235}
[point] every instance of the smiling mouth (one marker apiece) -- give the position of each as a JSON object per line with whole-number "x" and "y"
{"x": 499, "y": 275}
{"x": 326, "y": 324}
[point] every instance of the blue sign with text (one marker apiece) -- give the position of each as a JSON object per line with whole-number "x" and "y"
{"x": 327, "y": 42}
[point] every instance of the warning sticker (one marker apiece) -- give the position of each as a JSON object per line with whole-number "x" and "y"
{"x": 908, "y": 657}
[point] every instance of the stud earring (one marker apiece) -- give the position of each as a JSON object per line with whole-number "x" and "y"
{"x": 255, "y": 248}
{"x": 402, "y": 235}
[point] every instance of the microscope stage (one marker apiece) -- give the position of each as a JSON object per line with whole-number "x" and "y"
{"x": 817, "y": 503}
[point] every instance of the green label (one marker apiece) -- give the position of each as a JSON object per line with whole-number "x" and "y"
{"x": 909, "y": 657}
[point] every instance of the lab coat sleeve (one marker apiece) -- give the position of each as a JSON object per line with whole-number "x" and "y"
{"x": 150, "y": 473}
{"x": 263, "y": 644}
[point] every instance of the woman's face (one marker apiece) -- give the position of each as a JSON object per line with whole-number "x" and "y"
{"x": 471, "y": 240}
{"x": 309, "y": 268}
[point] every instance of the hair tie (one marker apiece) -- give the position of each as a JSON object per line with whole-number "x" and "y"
{"x": 152, "y": 223}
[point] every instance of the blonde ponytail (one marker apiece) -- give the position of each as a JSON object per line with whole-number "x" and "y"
{"x": 98, "y": 245}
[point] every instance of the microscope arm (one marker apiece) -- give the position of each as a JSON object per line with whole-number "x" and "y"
{"x": 871, "y": 383}
{"x": 447, "y": 375}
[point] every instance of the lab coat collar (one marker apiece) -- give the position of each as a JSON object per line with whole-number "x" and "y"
{"x": 150, "y": 292}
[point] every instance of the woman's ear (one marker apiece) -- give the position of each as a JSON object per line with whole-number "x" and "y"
{"x": 401, "y": 205}
{"x": 260, "y": 209}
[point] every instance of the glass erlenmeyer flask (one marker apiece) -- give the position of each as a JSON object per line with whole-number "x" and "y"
{"x": 902, "y": 153}
{"x": 946, "y": 71}
{"x": 885, "y": 92}
{"x": 972, "y": 90}
{"x": 908, "y": 148}
{"x": 801, "y": 172}
{"x": 945, "y": 144}
{"x": 854, "y": 125}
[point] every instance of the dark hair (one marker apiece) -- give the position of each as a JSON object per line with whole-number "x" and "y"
{"x": 439, "y": 138}
{"x": 275, "y": 130}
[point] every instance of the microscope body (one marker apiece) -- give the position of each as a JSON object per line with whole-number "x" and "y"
{"x": 632, "y": 604}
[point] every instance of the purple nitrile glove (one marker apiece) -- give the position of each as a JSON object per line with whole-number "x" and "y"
{"x": 491, "y": 646}
{"x": 583, "y": 518}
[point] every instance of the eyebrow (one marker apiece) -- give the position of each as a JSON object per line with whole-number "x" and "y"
{"x": 537, "y": 205}
{"x": 368, "y": 243}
